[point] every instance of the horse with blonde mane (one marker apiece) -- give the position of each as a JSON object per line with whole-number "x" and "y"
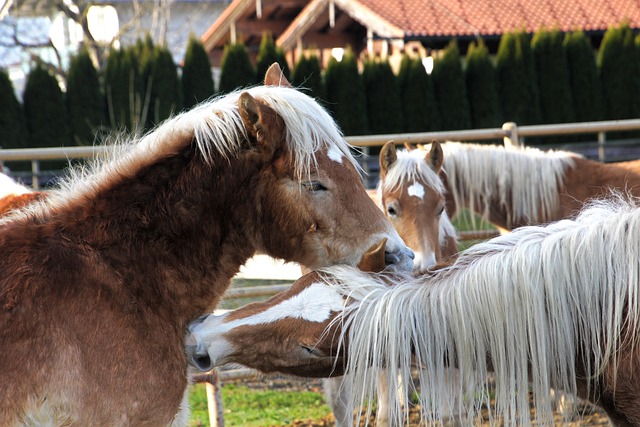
{"x": 101, "y": 277}
{"x": 515, "y": 186}
{"x": 548, "y": 307}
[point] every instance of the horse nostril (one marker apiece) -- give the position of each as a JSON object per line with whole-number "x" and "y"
{"x": 391, "y": 258}
{"x": 199, "y": 358}
{"x": 400, "y": 259}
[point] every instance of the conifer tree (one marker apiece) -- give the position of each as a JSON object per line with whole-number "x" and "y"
{"x": 13, "y": 126}
{"x": 552, "y": 71}
{"x": 85, "y": 101}
{"x": 45, "y": 111}
{"x": 620, "y": 71}
{"x": 308, "y": 74}
{"x": 450, "y": 90}
{"x": 517, "y": 83}
{"x": 482, "y": 87}
{"x": 345, "y": 94}
{"x": 267, "y": 55}
{"x": 165, "y": 95}
{"x": 384, "y": 112}
{"x": 586, "y": 87}
{"x": 122, "y": 84}
{"x": 197, "y": 82}
{"x": 236, "y": 70}
{"x": 419, "y": 107}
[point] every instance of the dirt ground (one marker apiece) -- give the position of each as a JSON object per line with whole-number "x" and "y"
{"x": 585, "y": 415}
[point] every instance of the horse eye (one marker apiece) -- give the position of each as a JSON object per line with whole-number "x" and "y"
{"x": 312, "y": 351}
{"x": 391, "y": 211}
{"x": 440, "y": 211}
{"x": 315, "y": 186}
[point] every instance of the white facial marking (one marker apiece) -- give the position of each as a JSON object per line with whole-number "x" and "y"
{"x": 423, "y": 261}
{"x": 416, "y": 190}
{"x": 314, "y": 304}
{"x": 335, "y": 154}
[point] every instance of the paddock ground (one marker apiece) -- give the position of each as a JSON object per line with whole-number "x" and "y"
{"x": 586, "y": 415}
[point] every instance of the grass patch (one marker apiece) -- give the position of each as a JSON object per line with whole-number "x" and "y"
{"x": 258, "y": 408}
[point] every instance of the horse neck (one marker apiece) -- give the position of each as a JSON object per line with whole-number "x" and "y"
{"x": 156, "y": 225}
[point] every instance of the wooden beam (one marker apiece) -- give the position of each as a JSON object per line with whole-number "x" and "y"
{"x": 258, "y": 27}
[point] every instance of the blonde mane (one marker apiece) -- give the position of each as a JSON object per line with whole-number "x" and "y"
{"x": 533, "y": 299}
{"x": 216, "y": 127}
{"x": 525, "y": 180}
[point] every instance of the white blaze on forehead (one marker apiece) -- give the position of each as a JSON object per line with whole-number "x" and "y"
{"x": 314, "y": 304}
{"x": 335, "y": 154}
{"x": 416, "y": 190}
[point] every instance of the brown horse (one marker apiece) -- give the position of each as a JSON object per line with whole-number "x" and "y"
{"x": 100, "y": 279}
{"x": 555, "y": 307}
{"x": 514, "y": 186}
{"x": 14, "y": 195}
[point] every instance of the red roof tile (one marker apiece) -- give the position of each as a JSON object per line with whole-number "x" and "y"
{"x": 421, "y": 18}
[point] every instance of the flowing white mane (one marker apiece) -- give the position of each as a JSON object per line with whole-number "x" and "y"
{"x": 532, "y": 299}
{"x": 216, "y": 127}
{"x": 525, "y": 180}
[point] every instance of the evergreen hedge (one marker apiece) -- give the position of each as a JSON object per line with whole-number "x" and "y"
{"x": 85, "y": 101}
{"x": 307, "y": 74}
{"x": 345, "y": 94}
{"x": 122, "y": 82}
{"x": 13, "y": 126}
{"x": 45, "y": 111}
{"x": 620, "y": 70}
{"x": 482, "y": 87}
{"x": 419, "y": 108}
{"x": 552, "y": 71}
{"x": 165, "y": 90}
{"x": 517, "y": 83}
{"x": 586, "y": 87}
{"x": 384, "y": 111}
{"x": 450, "y": 90}
{"x": 236, "y": 70}
{"x": 269, "y": 53}
{"x": 197, "y": 81}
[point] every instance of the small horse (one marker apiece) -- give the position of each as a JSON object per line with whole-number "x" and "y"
{"x": 100, "y": 278}
{"x": 14, "y": 195}
{"x": 557, "y": 306}
{"x": 515, "y": 186}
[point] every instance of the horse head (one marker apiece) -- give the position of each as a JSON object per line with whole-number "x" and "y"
{"x": 412, "y": 197}
{"x": 289, "y": 333}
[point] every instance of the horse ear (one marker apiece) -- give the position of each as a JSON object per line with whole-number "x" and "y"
{"x": 275, "y": 77}
{"x": 259, "y": 119}
{"x": 374, "y": 259}
{"x": 409, "y": 147}
{"x": 435, "y": 156}
{"x": 388, "y": 157}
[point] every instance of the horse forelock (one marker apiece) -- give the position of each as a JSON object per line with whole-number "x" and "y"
{"x": 525, "y": 180}
{"x": 410, "y": 166}
{"x": 541, "y": 294}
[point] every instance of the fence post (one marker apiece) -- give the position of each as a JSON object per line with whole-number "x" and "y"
{"x": 214, "y": 400}
{"x": 602, "y": 138}
{"x": 511, "y": 137}
{"x": 35, "y": 173}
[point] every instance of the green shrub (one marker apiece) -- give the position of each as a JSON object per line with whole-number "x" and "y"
{"x": 517, "y": 85}
{"x": 122, "y": 86}
{"x": 482, "y": 87}
{"x": 85, "y": 101}
{"x": 451, "y": 94}
{"x": 165, "y": 95}
{"x": 552, "y": 71}
{"x": 307, "y": 73}
{"x": 345, "y": 94}
{"x": 269, "y": 53}
{"x": 586, "y": 87}
{"x": 419, "y": 107}
{"x": 197, "y": 82}
{"x": 236, "y": 70}
{"x": 13, "y": 126}
{"x": 384, "y": 112}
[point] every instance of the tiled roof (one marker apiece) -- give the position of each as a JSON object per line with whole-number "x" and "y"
{"x": 434, "y": 18}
